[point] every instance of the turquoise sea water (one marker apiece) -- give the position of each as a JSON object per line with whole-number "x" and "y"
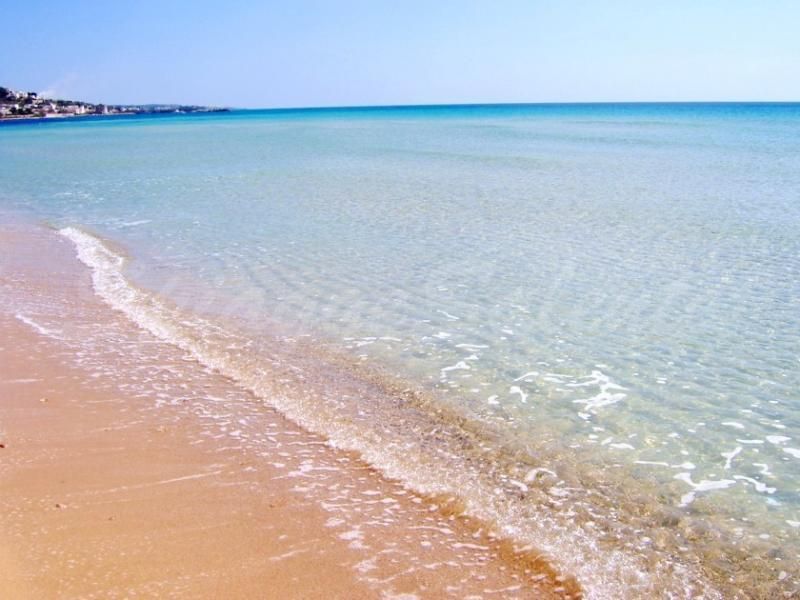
{"x": 612, "y": 290}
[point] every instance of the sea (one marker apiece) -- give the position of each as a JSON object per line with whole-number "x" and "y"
{"x": 583, "y": 320}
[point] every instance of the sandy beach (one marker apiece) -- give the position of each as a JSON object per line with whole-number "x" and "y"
{"x": 128, "y": 469}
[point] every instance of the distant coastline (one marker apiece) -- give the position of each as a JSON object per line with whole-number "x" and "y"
{"x": 16, "y": 105}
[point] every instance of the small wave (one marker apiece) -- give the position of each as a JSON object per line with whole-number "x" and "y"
{"x": 126, "y": 224}
{"x": 404, "y": 437}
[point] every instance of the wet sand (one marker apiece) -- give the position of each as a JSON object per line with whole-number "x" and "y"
{"x": 129, "y": 469}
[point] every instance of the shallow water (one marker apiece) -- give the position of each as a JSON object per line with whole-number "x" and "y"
{"x": 608, "y": 293}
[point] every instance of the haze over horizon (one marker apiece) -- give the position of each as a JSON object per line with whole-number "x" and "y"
{"x": 315, "y": 53}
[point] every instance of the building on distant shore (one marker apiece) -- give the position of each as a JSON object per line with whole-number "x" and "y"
{"x": 14, "y": 104}
{"x": 74, "y": 109}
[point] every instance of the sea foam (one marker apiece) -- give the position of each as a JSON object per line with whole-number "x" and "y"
{"x": 573, "y": 547}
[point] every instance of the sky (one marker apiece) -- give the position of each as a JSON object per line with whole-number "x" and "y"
{"x": 293, "y": 53}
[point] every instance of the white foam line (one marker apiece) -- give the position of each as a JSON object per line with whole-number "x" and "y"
{"x": 134, "y": 223}
{"x": 534, "y": 473}
{"x": 759, "y": 486}
{"x": 289, "y": 554}
{"x": 518, "y": 484}
{"x": 124, "y": 488}
{"x": 778, "y": 439}
{"x": 448, "y": 315}
{"x": 523, "y": 397}
{"x": 197, "y": 338}
{"x": 705, "y": 485}
{"x": 729, "y": 456}
{"x": 526, "y": 375}
{"x": 764, "y": 469}
{"x": 621, "y": 446}
{"x": 460, "y": 365}
{"x": 51, "y": 333}
{"x": 733, "y": 424}
{"x": 610, "y": 392}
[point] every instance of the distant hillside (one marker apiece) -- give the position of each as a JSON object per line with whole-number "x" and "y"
{"x": 25, "y": 105}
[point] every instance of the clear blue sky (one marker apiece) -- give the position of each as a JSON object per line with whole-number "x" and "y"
{"x": 350, "y": 52}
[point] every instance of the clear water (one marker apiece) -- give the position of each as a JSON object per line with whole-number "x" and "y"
{"x": 613, "y": 289}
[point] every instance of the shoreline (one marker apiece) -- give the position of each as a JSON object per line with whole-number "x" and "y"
{"x": 70, "y": 117}
{"x": 403, "y": 437}
{"x": 408, "y": 435}
{"x": 128, "y": 466}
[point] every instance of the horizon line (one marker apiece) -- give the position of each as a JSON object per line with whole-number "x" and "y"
{"x": 218, "y": 109}
{"x": 482, "y": 104}
{"x": 428, "y": 104}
